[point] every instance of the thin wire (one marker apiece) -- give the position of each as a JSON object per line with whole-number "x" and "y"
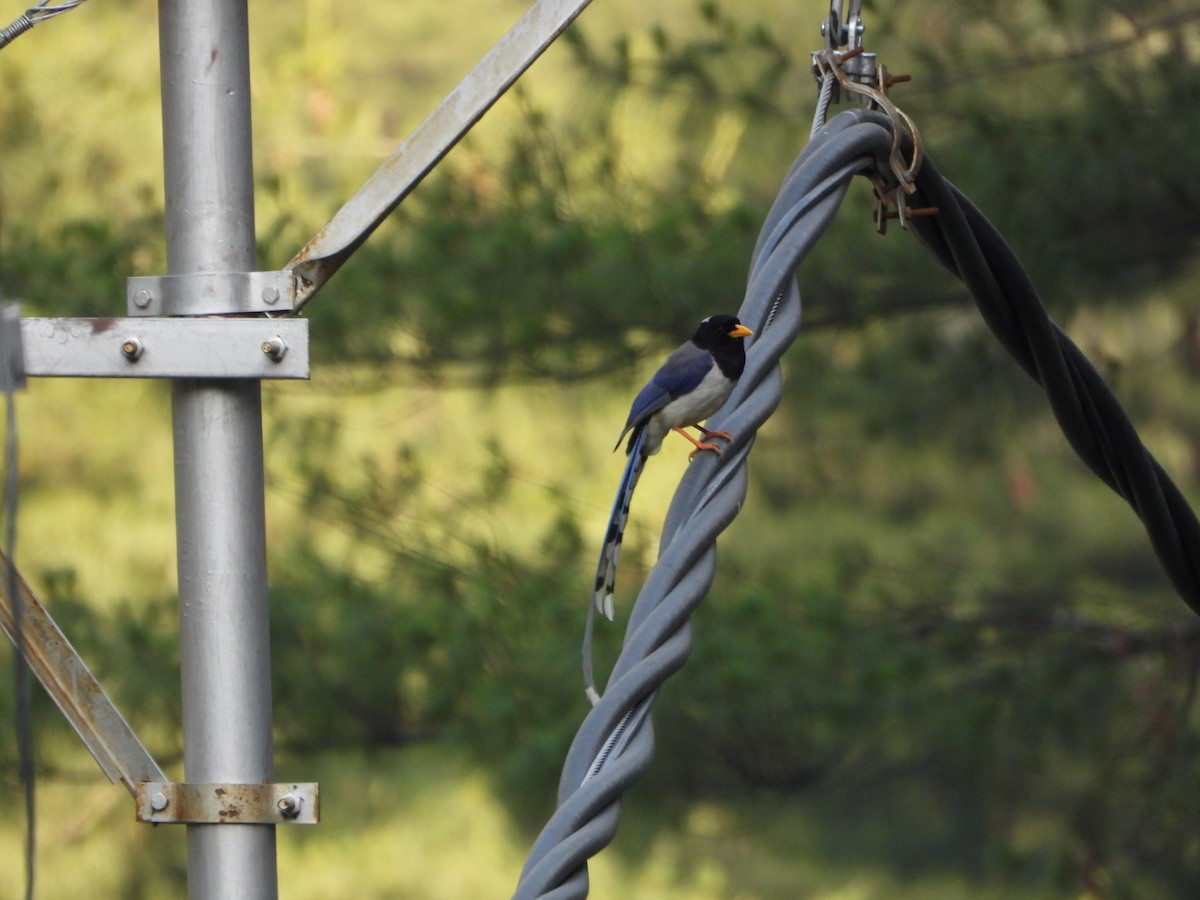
{"x": 32, "y": 16}
{"x": 44, "y": 10}
{"x": 10, "y": 33}
{"x": 21, "y": 681}
{"x": 823, "y": 100}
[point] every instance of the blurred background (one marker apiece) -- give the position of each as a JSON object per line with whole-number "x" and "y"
{"x": 939, "y": 660}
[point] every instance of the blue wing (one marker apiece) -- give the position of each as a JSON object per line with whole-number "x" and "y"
{"x": 681, "y": 373}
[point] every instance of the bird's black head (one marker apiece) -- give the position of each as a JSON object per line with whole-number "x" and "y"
{"x": 721, "y": 335}
{"x": 720, "y": 331}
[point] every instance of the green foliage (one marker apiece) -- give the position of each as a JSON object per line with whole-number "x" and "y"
{"x": 934, "y": 642}
{"x": 81, "y": 269}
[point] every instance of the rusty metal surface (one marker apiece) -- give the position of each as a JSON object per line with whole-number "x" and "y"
{"x": 76, "y": 692}
{"x": 429, "y": 142}
{"x": 164, "y": 803}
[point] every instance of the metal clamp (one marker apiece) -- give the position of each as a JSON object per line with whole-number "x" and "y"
{"x": 166, "y": 803}
{"x": 855, "y": 71}
{"x": 210, "y": 294}
{"x": 845, "y": 29}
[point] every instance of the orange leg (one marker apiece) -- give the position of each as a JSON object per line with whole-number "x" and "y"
{"x": 723, "y": 435}
{"x": 703, "y": 445}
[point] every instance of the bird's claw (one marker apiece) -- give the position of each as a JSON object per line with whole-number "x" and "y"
{"x": 704, "y": 446}
{"x": 707, "y": 443}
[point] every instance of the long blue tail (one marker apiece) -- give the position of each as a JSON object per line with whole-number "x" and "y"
{"x": 606, "y": 569}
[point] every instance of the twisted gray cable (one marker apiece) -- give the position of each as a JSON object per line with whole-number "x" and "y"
{"x": 615, "y": 743}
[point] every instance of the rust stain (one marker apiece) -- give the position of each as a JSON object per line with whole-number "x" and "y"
{"x": 307, "y": 249}
{"x": 184, "y": 809}
{"x": 230, "y": 804}
{"x": 101, "y": 326}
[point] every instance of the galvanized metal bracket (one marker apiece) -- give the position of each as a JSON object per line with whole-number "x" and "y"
{"x": 163, "y": 803}
{"x": 210, "y": 294}
{"x": 206, "y": 347}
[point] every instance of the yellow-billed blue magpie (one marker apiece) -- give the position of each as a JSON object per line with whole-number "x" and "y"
{"x": 691, "y": 385}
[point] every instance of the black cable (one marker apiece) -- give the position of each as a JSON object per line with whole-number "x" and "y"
{"x": 1086, "y": 409}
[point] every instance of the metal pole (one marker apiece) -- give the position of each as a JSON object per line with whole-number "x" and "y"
{"x": 219, "y": 509}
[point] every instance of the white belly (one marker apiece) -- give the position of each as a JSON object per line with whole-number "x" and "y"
{"x": 690, "y": 409}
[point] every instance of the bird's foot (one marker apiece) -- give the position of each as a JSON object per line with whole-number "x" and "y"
{"x": 702, "y": 445}
{"x": 708, "y": 435}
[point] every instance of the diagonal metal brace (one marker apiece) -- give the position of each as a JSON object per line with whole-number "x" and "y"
{"x": 76, "y": 691}
{"x": 430, "y": 141}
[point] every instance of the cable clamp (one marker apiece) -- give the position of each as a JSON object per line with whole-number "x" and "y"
{"x": 854, "y": 71}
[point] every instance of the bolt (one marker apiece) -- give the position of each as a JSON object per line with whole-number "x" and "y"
{"x": 142, "y": 299}
{"x": 275, "y": 348}
{"x": 289, "y": 806}
{"x": 270, "y": 295}
{"x": 133, "y": 349}
{"x": 159, "y": 802}
{"x": 915, "y": 211}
